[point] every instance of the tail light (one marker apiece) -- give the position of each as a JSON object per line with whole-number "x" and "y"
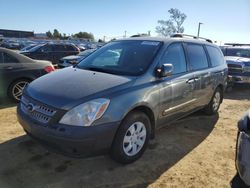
{"x": 78, "y": 49}
{"x": 49, "y": 69}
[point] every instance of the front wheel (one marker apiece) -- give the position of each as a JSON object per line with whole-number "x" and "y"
{"x": 215, "y": 102}
{"x": 16, "y": 89}
{"x": 132, "y": 138}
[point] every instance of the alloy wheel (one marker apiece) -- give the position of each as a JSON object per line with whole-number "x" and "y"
{"x": 17, "y": 89}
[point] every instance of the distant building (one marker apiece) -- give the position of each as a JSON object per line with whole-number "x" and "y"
{"x": 41, "y": 36}
{"x": 16, "y": 33}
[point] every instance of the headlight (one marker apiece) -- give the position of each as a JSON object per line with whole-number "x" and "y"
{"x": 86, "y": 113}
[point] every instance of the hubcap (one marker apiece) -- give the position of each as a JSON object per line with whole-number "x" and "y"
{"x": 216, "y": 101}
{"x": 17, "y": 90}
{"x": 134, "y": 138}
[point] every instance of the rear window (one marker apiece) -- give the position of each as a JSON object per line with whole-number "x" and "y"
{"x": 215, "y": 56}
{"x": 59, "y": 47}
{"x": 197, "y": 56}
{"x": 70, "y": 48}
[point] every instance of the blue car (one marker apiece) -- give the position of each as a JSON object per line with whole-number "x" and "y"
{"x": 238, "y": 61}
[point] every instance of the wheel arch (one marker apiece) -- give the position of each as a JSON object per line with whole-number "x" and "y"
{"x": 149, "y": 112}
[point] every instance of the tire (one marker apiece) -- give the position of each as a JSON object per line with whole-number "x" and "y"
{"x": 132, "y": 138}
{"x": 15, "y": 90}
{"x": 214, "y": 104}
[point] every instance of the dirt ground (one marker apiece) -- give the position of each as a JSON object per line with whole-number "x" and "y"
{"x": 197, "y": 151}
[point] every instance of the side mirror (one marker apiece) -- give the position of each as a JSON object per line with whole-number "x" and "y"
{"x": 165, "y": 70}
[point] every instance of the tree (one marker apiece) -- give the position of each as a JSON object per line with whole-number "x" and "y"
{"x": 84, "y": 35}
{"x": 49, "y": 34}
{"x": 172, "y": 25}
{"x": 57, "y": 34}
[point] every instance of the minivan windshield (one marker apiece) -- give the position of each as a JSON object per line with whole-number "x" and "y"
{"x": 126, "y": 57}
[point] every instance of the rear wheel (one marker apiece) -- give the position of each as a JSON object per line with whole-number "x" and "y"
{"x": 132, "y": 138}
{"x": 215, "y": 102}
{"x": 16, "y": 89}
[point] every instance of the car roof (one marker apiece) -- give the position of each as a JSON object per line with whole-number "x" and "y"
{"x": 20, "y": 57}
{"x": 167, "y": 40}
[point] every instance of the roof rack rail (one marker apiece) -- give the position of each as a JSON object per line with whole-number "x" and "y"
{"x": 236, "y": 44}
{"x": 181, "y": 35}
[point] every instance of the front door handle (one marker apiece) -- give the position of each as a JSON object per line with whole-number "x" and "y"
{"x": 190, "y": 81}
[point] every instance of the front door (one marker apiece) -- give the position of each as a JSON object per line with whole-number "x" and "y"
{"x": 176, "y": 94}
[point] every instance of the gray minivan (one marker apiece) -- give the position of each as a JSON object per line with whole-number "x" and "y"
{"x": 115, "y": 104}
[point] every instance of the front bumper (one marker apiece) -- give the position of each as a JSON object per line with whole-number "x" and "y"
{"x": 74, "y": 141}
{"x": 243, "y": 157}
{"x": 239, "y": 79}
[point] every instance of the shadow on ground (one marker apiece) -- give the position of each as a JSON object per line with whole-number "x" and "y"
{"x": 6, "y": 103}
{"x": 239, "y": 92}
{"x": 24, "y": 163}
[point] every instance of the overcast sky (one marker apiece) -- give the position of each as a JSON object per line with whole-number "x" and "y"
{"x": 224, "y": 20}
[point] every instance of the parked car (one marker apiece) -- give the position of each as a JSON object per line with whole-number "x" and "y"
{"x": 17, "y": 71}
{"x": 74, "y": 59}
{"x": 14, "y": 45}
{"x": 51, "y": 52}
{"x": 238, "y": 61}
{"x": 243, "y": 149}
{"x": 28, "y": 47}
{"x": 116, "y": 105}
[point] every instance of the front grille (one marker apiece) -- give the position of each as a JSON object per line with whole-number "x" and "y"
{"x": 247, "y": 69}
{"x": 37, "y": 111}
{"x": 234, "y": 68}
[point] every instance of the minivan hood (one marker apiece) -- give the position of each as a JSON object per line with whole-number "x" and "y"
{"x": 71, "y": 86}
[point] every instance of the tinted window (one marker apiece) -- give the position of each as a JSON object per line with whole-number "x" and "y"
{"x": 122, "y": 57}
{"x": 175, "y": 56}
{"x": 197, "y": 57}
{"x": 215, "y": 56}
{"x": 59, "y": 48}
{"x": 70, "y": 48}
{"x": 46, "y": 48}
{"x": 9, "y": 59}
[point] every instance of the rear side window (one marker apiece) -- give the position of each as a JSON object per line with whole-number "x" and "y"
{"x": 215, "y": 56}
{"x": 60, "y": 48}
{"x": 9, "y": 59}
{"x": 70, "y": 48}
{"x": 197, "y": 56}
{"x": 175, "y": 56}
{"x": 46, "y": 48}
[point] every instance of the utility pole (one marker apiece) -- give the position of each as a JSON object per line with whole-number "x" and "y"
{"x": 149, "y": 33}
{"x": 125, "y": 34}
{"x": 199, "y": 29}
